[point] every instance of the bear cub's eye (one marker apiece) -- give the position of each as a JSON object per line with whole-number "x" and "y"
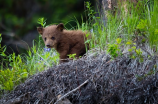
{"x": 45, "y": 39}
{"x": 53, "y": 38}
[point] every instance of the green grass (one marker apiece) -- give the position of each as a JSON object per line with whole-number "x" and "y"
{"x": 120, "y": 31}
{"x": 140, "y": 21}
{"x": 18, "y": 68}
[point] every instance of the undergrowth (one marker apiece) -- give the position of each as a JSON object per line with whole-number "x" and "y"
{"x": 137, "y": 23}
{"x": 129, "y": 27}
{"x": 16, "y": 69}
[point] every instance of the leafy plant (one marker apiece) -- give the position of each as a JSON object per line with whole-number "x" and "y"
{"x": 21, "y": 67}
{"x": 141, "y": 77}
{"x": 72, "y": 56}
{"x": 6, "y": 79}
{"x": 114, "y": 49}
{"x": 42, "y": 21}
{"x": 91, "y": 13}
{"x": 3, "y": 57}
{"x": 142, "y": 25}
{"x": 148, "y": 22}
{"x": 11, "y": 77}
{"x": 136, "y": 53}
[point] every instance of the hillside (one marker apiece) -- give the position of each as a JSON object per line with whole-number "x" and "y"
{"x": 105, "y": 81}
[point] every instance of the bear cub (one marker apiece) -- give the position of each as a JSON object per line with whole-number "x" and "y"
{"x": 64, "y": 41}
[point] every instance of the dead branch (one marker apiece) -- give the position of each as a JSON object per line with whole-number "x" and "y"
{"x": 71, "y": 92}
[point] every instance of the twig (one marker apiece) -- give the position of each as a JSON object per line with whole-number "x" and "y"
{"x": 70, "y": 92}
{"x": 146, "y": 51}
{"x": 19, "y": 99}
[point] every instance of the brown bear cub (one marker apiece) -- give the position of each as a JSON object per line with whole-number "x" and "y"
{"x": 64, "y": 41}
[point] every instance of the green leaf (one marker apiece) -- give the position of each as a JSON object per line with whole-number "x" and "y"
{"x": 142, "y": 25}
{"x": 0, "y": 38}
{"x": 87, "y": 35}
{"x": 133, "y": 57}
{"x": 24, "y": 74}
{"x": 87, "y": 41}
{"x": 118, "y": 40}
{"x": 130, "y": 50}
{"x": 4, "y": 49}
{"x": 42, "y": 21}
{"x": 134, "y": 43}
{"x": 129, "y": 42}
{"x": 3, "y": 54}
{"x": 156, "y": 32}
{"x": 134, "y": 47}
{"x": 72, "y": 55}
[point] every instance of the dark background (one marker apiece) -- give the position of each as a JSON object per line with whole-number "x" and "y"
{"x": 18, "y": 19}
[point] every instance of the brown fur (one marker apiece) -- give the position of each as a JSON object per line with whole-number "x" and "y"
{"x": 64, "y": 41}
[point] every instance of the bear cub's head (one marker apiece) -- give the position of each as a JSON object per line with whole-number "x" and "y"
{"x": 51, "y": 34}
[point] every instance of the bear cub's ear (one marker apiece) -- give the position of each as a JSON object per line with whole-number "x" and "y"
{"x": 60, "y": 27}
{"x": 40, "y": 30}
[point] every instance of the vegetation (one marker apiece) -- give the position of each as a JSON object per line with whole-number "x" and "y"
{"x": 123, "y": 29}
{"x": 133, "y": 25}
{"x": 15, "y": 69}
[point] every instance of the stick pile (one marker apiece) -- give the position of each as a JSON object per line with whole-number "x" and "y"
{"x": 91, "y": 80}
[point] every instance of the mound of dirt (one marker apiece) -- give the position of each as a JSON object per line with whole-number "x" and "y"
{"x": 91, "y": 80}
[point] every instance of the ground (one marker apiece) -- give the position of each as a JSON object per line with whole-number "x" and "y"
{"x": 121, "y": 80}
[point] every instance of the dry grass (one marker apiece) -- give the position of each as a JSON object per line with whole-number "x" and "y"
{"x": 122, "y": 80}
